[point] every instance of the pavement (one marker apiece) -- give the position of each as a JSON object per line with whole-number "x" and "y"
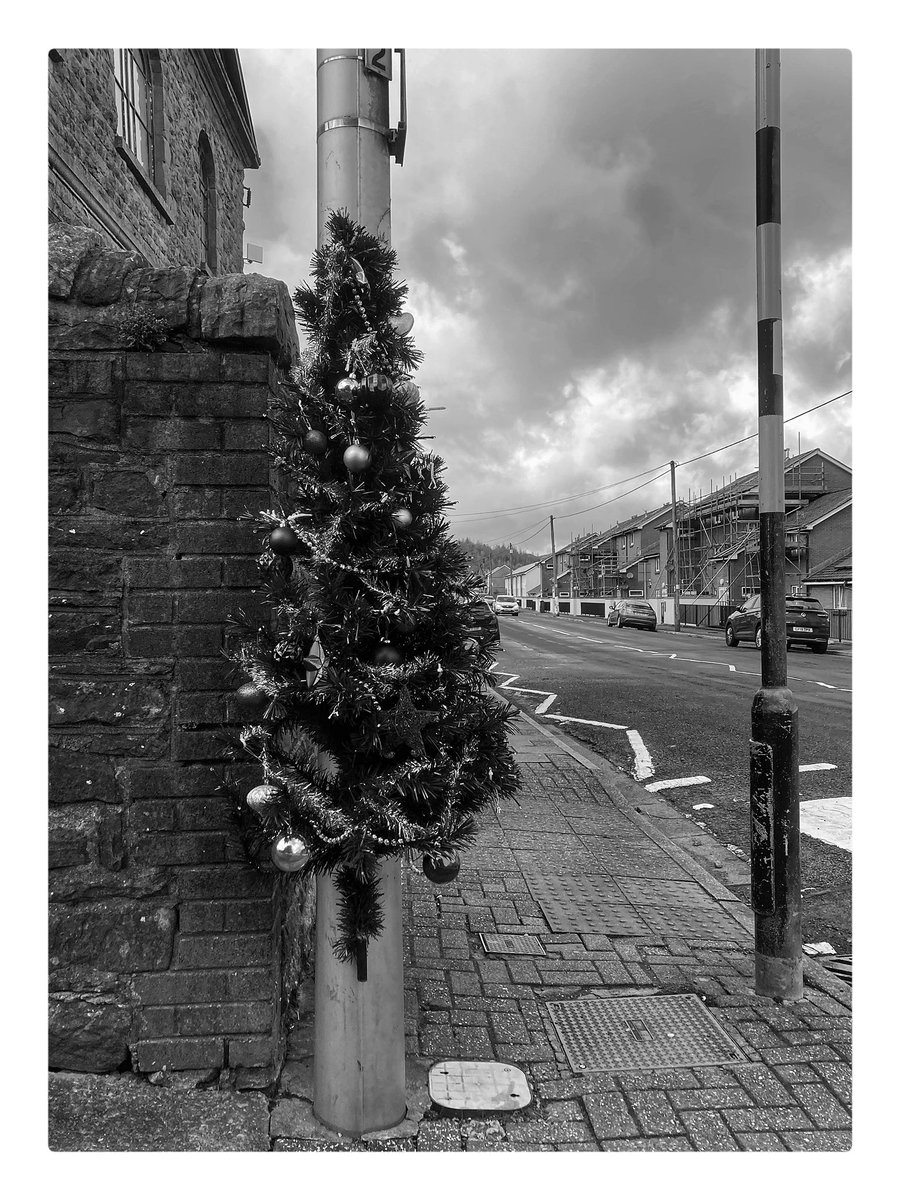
{"x": 629, "y": 909}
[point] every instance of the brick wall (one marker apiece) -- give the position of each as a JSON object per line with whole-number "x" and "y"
{"x": 165, "y": 946}
{"x": 830, "y": 537}
{"x": 82, "y": 129}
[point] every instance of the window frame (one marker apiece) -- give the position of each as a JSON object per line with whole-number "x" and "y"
{"x": 209, "y": 205}
{"x": 150, "y": 175}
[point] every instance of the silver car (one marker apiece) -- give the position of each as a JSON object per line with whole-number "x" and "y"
{"x": 506, "y": 604}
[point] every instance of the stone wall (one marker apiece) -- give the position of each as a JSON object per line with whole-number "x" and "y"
{"x": 165, "y": 946}
{"x": 91, "y": 184}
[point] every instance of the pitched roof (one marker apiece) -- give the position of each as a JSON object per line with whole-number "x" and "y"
{"x": 817, "y": 510}
{"x": 838, "y": 568}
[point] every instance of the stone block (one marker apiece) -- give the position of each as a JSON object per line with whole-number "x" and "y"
{"x": 88, "y": 1032}
{"x": 78, "y": 778}
{"x": 80, "y": 631}
{"x": 67, "y": 245}
{"x": 92, "y": 420}
{"x": 130, "y": 493}
{"x": 102, "y": 274}
{"x": 251, "y": 309}
{"x": 107, "y": 701}
{"x": 109, "y": 935}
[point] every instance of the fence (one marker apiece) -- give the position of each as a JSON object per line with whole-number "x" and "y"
{"x": 841, "y": 624}
{"x": 705, "y": 616}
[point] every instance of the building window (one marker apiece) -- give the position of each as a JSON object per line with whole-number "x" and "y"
{"x": 140, "y": 131}
{"x": 656, "y": 566}
{"x": 208, "y": 205}
{"x": 631, "y": 540}
{"x": 134, "y": 106}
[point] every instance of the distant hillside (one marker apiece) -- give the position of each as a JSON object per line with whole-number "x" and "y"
{"x": 484, "y": 557}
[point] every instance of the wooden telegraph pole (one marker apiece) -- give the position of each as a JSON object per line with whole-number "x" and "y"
{"x": 360, "y": 1069}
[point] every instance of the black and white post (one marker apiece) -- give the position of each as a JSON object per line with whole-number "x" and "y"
{"x": 774, "y": 769}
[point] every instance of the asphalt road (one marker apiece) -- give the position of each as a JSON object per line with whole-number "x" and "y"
{"x": 667, "y": 707}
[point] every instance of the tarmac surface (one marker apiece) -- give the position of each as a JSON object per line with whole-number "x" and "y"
{"x": 626, "y": 898}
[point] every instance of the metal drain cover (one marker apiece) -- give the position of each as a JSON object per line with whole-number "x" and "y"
{"x": 634, "y": 1033}
{"x": 511, "y": 943}
{"x": 478, "y": 1086}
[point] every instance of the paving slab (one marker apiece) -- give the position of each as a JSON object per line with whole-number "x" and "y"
{"x": 126, "y": 1112}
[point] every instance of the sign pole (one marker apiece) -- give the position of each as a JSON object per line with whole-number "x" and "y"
{"x": 359, "y": 1074}
{"x": 774, "y": 755}
{"x": 554, "y": 590}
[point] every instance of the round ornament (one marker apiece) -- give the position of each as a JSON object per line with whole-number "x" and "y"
{"x": 407, "y": 391}
{"x": 402, "y": 518}
{"x": 403, "y": 322}
{"x": 378, "y": 386}
{"x": 250, "y": 700}
{"x": 441, "y": 868}
{"x": 315, "y": 442}
{"x": 345, "y": 389}
{"x": 356, "y": 458}
{"x": 283, "y": 540}
{"x": 260, "y": 797}
{"x": 387, "y": 656}
{"x": 289, "y": 854}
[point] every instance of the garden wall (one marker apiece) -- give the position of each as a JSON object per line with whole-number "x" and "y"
{"x": 165, "y": 946}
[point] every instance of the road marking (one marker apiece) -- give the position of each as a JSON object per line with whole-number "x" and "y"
{"x": 673, "y": 656}
{"x": 732, "y": 667}
{"x": 673, "y": 783}
{"x": 583, "y": 721}
{"x": 819, "y": 767}
{"x": 643, "y": 763}
{"x": 545, "y": 704}
{"x": 828, "y": 820}
{"x": 833, "y": 686}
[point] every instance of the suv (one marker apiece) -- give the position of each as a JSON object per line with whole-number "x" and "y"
{"x": 506, "y": 604}
{"x": 807, "y": 623}
{"x": 486, "y": 627}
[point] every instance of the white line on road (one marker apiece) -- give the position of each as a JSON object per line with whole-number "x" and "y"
{"x": 583, "y": 721}
{"x": 833, "y": 686}
{"x": 643, "y": 763}
{"x": 545, "y": 704}
{"x": 673, "y": 783}
{"x": 828, "y": 820}
{"x": 673, "y": 656}
{"x": 819, "y": 767}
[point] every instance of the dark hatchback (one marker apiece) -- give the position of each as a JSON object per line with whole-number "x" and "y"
{"x": 807, "y": 623}
{"x": 485, "y": 623}
{"x": 633, "y": 612}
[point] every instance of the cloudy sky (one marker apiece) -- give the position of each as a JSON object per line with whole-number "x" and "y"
{"x": 577, "y": 228}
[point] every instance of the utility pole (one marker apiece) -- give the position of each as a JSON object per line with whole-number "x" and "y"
{"x": 554, "y": 591}
{"x": 774, "y": 742}
{"x": 676, "y": 581}
{"x": 490, "y": 586}
{"x": 509, "y": 566}
{"x": 359, "y": 1074}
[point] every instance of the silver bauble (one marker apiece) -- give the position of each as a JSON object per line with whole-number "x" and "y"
{"x": 260, "y": 797}
{"x": 402, "y": 518}
{"x": 289, "y": 854}
{"x": 356, "y": 458}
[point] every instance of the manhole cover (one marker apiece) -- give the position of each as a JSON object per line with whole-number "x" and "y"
{"x": 478, "y": 1086}
{"x": 511, "y": 943}
{"x": 585, "y": 904}
{"x": 641, "y": 1033}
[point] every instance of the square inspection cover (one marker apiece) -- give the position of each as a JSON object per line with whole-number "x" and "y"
{"x": 471, "y": 1086}
{"x": 634, "y": 1033}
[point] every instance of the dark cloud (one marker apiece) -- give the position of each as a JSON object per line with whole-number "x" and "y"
{"x": 578, "y": 232}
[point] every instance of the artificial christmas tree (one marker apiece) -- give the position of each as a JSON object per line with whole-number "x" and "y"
{"x": 377, "y": 736}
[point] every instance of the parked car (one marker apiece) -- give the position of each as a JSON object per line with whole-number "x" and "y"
{"x": 485, "y": 623}
{"x": 506, "y": 604}
{"x": 807, "y": 623}
{"x": 638, "y": 613}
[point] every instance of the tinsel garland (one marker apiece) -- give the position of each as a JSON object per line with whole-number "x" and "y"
{"x": 376, "y": 732}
